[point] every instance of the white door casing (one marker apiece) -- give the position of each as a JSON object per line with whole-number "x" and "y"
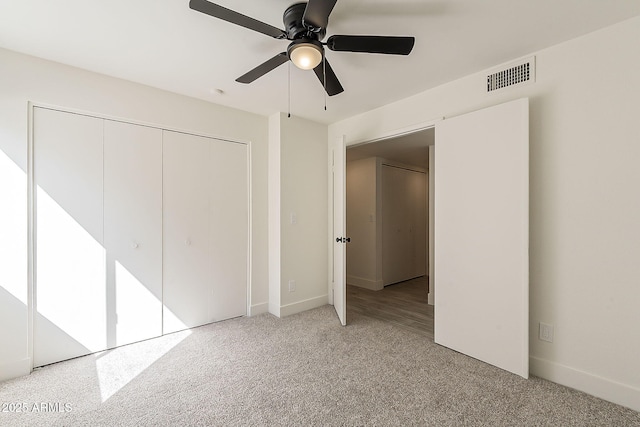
{"x": 482, "y": 235}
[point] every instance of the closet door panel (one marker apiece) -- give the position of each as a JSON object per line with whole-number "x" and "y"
{"x": 229, "y": 213}
{"x": 417, "y": 192}
{"x": 404, "y": 223}
{"x": 187, "y": 279}
{"x": 396, "y": 229}
{"x": 70, "y": 302}
{"x": 133, "y": 230}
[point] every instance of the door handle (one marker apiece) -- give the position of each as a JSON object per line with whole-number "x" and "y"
{"x": 338, "y": 239}
{"x": 343, "y": 239}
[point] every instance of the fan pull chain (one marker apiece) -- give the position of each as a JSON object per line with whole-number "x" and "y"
{"x": 324, "y": 73}
{"x": 289, "y": 88}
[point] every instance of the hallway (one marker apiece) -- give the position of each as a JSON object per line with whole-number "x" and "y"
{"x": 403, "y": 304}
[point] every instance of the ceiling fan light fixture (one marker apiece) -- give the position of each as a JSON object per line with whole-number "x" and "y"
{"x": 305, "y": 54}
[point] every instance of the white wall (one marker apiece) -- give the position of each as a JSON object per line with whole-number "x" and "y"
{"x": 298, "y": 191}
{"x": 364, "y": 259}
{"x": 274, "y": 215}
{"x": 584, "y": 201}
{"x": 24, "y": 78}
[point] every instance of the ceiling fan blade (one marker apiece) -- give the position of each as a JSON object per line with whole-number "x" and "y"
{"x": 236, "y": 18}
{"x": 317, "y": 13}
{"x": 263, "y": 68}
{"x": 333, "y": 86}
{"x": 390, "y": 45}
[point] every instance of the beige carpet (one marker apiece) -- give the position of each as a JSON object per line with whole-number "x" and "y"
{"x": 301, "y": 370}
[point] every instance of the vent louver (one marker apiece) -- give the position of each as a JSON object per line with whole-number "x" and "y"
{"x": 514, "y": 74}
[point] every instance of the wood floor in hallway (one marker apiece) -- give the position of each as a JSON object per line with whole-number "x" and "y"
{"x": 404, "y": 304}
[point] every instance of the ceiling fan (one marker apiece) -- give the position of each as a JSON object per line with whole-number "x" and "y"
{"x": 305, "y": 27}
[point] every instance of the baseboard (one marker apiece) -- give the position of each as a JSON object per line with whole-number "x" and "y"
{"x": 613, "y": 391}
{"x": 300, "y": 306}
{"x": 15, "y": 369}
{"x": 374, "y": 285}
{"x": 430, "y": 298}
{"x": 256, "y": 309}
{"x": 274, "y": 309}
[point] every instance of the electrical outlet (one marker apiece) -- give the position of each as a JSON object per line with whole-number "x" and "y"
{"x": 292, "y": 285}
{"x": 546, "y": 332}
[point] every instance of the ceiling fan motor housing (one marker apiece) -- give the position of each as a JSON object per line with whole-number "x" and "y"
{"x": 293, "y": 24}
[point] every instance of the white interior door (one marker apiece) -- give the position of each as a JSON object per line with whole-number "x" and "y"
{"x": 229, "y": 229}
{"x": 133, "y": 231}
{"x": 482, "y": 235}
{"x": 397, "y": 256}
{"x": 205, "y": 229}
{"x": 187, "y": 279}
{"x": 70, "y": 302}
{"x": 338, "y": 185}
{"x": 404, "y": 219}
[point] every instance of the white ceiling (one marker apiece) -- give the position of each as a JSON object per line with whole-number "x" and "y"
{"x": 163, "y": 43}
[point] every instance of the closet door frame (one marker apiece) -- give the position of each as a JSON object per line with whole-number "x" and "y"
{"x": 32, "y": 203}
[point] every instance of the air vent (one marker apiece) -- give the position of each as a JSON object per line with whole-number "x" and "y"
{"x": 514, "y": 74}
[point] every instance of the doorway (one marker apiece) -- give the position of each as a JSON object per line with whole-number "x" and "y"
{"x": 388, "y": 258}
{"x": 482, "y": 242}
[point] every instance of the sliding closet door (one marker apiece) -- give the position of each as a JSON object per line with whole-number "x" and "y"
{"x": 229, "y": 229}
{"x": 133, "y": 231}
{"x": 186, "y": 249}
{"x": 70, "y": 299}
